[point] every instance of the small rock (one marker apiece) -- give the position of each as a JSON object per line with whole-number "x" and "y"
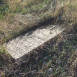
{"x": 49, "y": 70}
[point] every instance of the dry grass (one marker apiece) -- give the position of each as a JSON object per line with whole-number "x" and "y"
{"x": 16, "y": 24}
{"x": 59, "y": 54}
{"x": 23, "y": 5}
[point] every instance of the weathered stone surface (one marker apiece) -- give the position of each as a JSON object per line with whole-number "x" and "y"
{"x": 25, "y": 43}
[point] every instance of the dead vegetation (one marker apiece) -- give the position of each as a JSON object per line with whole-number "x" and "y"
{"x": 15, "y": 23}
{"x": 20, "y": 19}
{"x": 58, "y": 54}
